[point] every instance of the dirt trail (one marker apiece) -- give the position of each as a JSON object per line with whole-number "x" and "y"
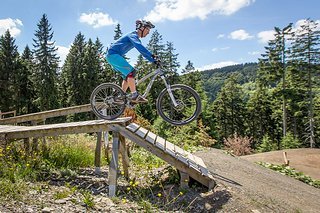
{"x": 256, "y": 189}
{"x": 303, "y": 160}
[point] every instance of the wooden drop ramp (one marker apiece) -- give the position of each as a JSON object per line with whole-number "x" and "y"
{"x": 187, "y": 163}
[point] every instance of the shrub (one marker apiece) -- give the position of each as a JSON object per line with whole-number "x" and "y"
{"x": 267, "y": 145}
{"x": 238, "y": 145}
{"x": 290, "y": 142}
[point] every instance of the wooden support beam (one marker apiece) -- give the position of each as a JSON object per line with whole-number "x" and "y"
{"x": 97, "y": 154}
{"x": 113, "y": 168}
{"x": 124, "y": 156}
{"x": 184, "y": 180}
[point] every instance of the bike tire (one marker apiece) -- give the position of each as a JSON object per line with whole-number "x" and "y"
{"x": 108, "y": 101}
{"x": 188, "y": 109}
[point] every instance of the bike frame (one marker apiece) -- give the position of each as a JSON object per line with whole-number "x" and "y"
{"x": 153, "y": 75}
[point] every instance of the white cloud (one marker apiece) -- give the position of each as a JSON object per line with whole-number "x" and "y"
{"x": 266, "y": 36}
{"x": 12, "y": 25}
{"x": 177, "y": 10}
{"x": 254, "y": 53}
{"x": 62, "y": 53}
{"x": 217, "y": 65}
{"x": 220, "y": 36}
{"x": 97, "y": 19}
{"x": 299, "y": 23}
{"x": 240, "y": 35}
{"x": 221, "y": 48}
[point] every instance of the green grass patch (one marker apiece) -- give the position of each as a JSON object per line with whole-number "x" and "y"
{"x": 287, "y": 170}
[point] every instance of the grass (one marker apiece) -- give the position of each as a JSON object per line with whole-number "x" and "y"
{"x": 62, "y": 154}
{"x": 287, "y": 170}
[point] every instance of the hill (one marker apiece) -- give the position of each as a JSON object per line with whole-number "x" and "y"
{"x": 214, "y": 79}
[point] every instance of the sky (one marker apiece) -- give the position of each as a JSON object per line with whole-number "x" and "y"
{"x": 209, "y": 33}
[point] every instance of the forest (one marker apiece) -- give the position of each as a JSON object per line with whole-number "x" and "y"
{"x": 266, "y": 105}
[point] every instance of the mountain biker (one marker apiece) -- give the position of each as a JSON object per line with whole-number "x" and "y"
{"x": 117, "y": 50}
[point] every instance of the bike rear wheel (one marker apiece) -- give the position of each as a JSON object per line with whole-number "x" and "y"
{"x": 187, "y": 110}
{"x": 108, "y": 101}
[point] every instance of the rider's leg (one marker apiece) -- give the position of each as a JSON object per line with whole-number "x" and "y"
{"x": 124, "y": 85}
{"x": 131, "y": 82}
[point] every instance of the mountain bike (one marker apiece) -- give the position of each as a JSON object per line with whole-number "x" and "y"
{"x": 177, "y": 104}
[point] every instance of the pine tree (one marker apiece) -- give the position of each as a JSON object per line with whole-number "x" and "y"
{"x": 171, "y": 63}
{"x": 274, "y": 66}
{"x": 118, "y": 32}
{"x": 229, "y": 109}
{"x": 26, "y": 91}
{"x": 8, "y": 72}
{"x": 73, "y": 71}
{"x": 305, "y": 55}
{"x": 46, "y": 69}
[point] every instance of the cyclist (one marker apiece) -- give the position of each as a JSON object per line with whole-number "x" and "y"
{"x": 117, "y": 50}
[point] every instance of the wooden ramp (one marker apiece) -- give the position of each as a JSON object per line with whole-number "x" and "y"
{"x": 185, "y": 162}
{"x": 8, "y": 132}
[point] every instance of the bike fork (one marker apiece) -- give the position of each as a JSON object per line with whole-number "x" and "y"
{"x": 175, "y": 104}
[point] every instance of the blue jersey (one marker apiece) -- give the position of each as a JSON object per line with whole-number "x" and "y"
{"x": 126, "y": 43}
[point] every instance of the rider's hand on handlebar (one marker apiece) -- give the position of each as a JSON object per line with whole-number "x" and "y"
{"x": 157, "y": 61}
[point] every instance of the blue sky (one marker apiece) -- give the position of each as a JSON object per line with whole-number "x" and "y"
{"x": 210, "y": 33}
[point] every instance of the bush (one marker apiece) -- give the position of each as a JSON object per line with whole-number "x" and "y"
{"x": 238, "y": 145}
{"x": 267, "y": 145}
{"x": 290, "y": 142}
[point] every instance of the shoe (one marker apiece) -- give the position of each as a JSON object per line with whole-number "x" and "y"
{"x": 139, "y": 99}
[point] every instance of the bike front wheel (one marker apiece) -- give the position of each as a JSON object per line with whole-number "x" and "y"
{"x": 188, "y": 105}
{"x": 108, "y": 101}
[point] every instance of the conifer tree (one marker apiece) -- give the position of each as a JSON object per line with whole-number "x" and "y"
{"x": 8, "y": 72}
{"x": 118, "y": 32}
{"x": 46, "y": 69}
{"x": 305, "y": 56}
{"x": 73, "y": 72}
{"x": 229, "y": 109}
{"x": 26, "y": 91}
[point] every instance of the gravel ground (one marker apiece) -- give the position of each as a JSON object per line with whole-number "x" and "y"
{"x": 242, "y": 186}
{"x": 256, "y": 189}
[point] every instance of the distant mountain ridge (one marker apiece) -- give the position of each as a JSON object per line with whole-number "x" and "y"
{"x": 213, "y": 79}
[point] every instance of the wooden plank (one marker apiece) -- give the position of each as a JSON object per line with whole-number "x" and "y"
{"x": 179, "y": 150}
{"x": 151, "y": 137}
{"x": 161, "y": 143}
{"x": 46, "y": 114}
{"x": 61, "y": 129}
{"x": 142, "y": 132}
{"x": 170, "y": 148}
{"x": 133, "y": 127}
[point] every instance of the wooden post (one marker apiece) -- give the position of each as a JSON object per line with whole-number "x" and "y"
{"x": 286, "y": 161}
{"x": 124, "y": 155}
{"x": 184, "y": 179}
{"x": 113, "y": 168}
{"x": 97, "y": 155}
{"x": 106, "y": 146}
{"x": 34, "y": 140}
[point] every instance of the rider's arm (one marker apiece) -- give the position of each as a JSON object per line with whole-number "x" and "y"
{"x": 138, "y": 45}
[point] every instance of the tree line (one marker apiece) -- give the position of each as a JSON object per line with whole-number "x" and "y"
{"x": 276, "y": 104}
{"x": 279, "y": 108}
